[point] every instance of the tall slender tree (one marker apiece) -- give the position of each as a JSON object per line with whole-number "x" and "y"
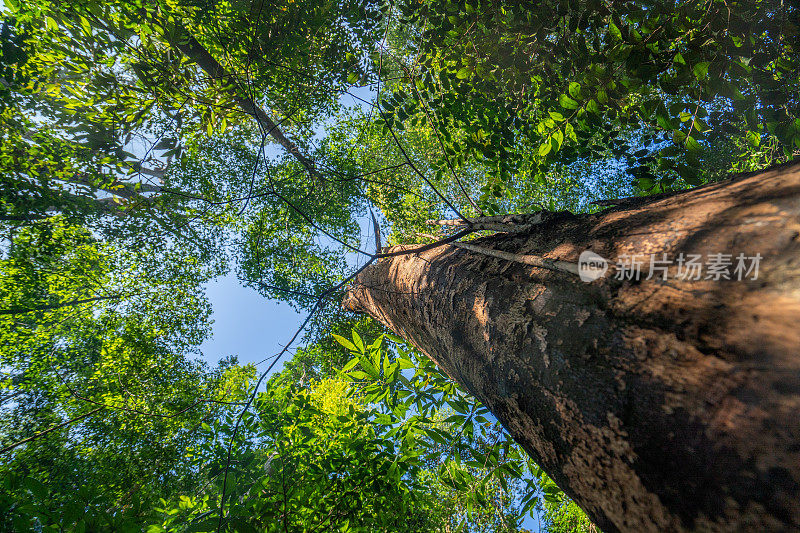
{"x": 657, "y": 397}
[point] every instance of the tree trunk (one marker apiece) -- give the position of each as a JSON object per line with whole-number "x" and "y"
{"x": 657, "y": 405}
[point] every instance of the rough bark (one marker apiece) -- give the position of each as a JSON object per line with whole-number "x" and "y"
{"x": 656, "y": 405}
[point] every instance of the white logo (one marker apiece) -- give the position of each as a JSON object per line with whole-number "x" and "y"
{"x": 591, "y": 266}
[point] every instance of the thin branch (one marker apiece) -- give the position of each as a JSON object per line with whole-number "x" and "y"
{"x": 425, "y": 178}
{"x": 521, "y": 223}
{"x": 22, "y": 218}
{"x": 514, "y": 219}
{"x": 21, "y": 310}
{"x": 45, "y": 432}
{"x": 376, "y": 227}
{"x": 533, "y": 260}
{"x": 187, "y": 44}
{"x": 424, "y": 247}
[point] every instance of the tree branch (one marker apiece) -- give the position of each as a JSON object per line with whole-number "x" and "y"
{"x": 21, "y": 310}
{"x": 45, "y": 432}
{"x": 189, "y": 46}
{"x": 533, "y": 260}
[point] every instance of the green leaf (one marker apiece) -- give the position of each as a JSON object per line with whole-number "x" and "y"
{"x": 701, "y": 125}
{"x": 405, "y": 363}
{"x": 753, "y": 138}
{"x": 688, "y": 174}
{"x": 36, "y": 487}
{"x": 692, "y": 145}
{"x": 370, "y": 368}
{"x": 545, "y": 148}
{"x": 394, "y": 338}
{"x": 614, "y": 31}
{"x": 357, "y": 340}
{"x": 435, "y": 436}
{"x": 344, "y": 342}
{"x": 463, "y": 73}
{"x": 165, "y": 144}
{"x": 86, "y": 26}
{"x": 678, "y": 136}
{"x": 567, "y": 102}
{"x": 241, "y": 525}
{"x": 558, "y": 139}
{"x": 700, "y": 70}
{"x": 350, "y": 364}
{"x": 551, "y": 488}
{"x": 664, "y": 120}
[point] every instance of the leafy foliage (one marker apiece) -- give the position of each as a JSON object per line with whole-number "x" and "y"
{"x": 136, "y": 164}
{"x": 98, "y": 398}
{"x": 526, "y": 86}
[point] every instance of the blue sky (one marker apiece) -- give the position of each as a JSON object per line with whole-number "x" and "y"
{"x": 246, "y": 324}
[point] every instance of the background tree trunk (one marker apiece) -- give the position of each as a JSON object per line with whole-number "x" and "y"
{"x": 656, "y": 405}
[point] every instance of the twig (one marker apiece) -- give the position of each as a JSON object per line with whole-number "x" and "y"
{"x": 521, "y": 223}
{"x": 45, "y": 432}
{"x": 533, "y": 260}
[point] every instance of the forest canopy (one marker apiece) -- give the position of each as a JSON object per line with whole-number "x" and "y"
{"x": 149, "y": 147}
